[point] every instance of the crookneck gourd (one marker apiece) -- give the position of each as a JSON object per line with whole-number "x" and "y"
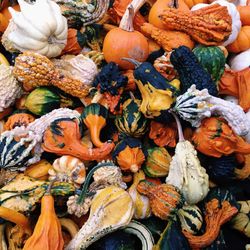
{"x": 63, "y": 137}
{"x": 164, "y": 199}
{"x": 21, "y": 146}
{"x": 107, "y": 202}
{"x": 34, "y": 70}
{"x": 215, "y": 138}
{"x": 195, "y": 105}
{"x": 211, "y": 25}
{"x": 39, "y": 27}
{"x": 191, "y": 72}
{"x": 185, "y": 171}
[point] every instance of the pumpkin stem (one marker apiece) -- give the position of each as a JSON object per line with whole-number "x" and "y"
{"x": 127, "y": 19}
{"x": 174, "y": 4}
{"x": 133, "y": 61}
{"x": 180, "y": 132}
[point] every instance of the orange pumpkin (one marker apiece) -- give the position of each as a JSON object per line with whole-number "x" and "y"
{"x": 5, "y": 17}
{"x": 125, "y": 42}
{"x": 242, "y": 42}
{"x": 244, "y": 14}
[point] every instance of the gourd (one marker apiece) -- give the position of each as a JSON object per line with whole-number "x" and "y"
{"x": 240, "y": 61}
{"x": 125, "y": 42}
{"x": 47, "y": 233}
{"x": 191, "y": 218}
{"x": 242, "y": 42}
{"x": 244, "y": 14}
{"x": 164, "y": 199}
{"x": 157, "y": 162}
{"x": 212, "y": 59}
{"x": 131, "y": 122}
{"x": 215, "y": 16}
{"x": 244, "y": 172}
{"x": 39, "y": 27}
{"x": 234, "y": 14}
{"x": 191, "y": 3}
{"x": 167, "y": 39}
{"x": 107, "y": 202}
{"x": 157, "y": 93}
{"x": 158, "y": 8}
{"x": 185, "y": 171}
{"x": 94, "y": 117}
{"x": 191, "y": 72}
{"x": 10, "y": 89}
{"x": 141, "y": 202}
{"x": 129, "y": 154}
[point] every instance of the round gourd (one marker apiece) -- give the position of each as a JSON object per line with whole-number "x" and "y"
{"x": 240, "y": 61}
{"x": 191, "y": 3}
{"x": 244, "y": 14}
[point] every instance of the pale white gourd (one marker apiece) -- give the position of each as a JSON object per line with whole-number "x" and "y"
{"x": 240, "y": 61}
{"x": 39, "y": 27}
{"x": 233, "y": 12}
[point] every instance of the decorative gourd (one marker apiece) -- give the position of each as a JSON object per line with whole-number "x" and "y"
{"x": 242, "y": 41}
{"x": 141, "y": 202}
{"x": 158, "y": 8}
{"x": 164, "y": 199}
{"x": 68, "y": 169}
{"x": 83, "y": 13}
{"x": 162, "y": 134}
{"x": 16, "y": 145}
{"x": 47, "y": 234}
{"x": 34, "y": 70}
{"x": 215, "y": 138}
{"x": 18, "y": 120}
{"x": 132, "y": 122}
{"x": 94, "y": 117}
{"x": 190, "y": 218}
{"x": 10, "y": 89}
{"x": 167, "y": 39}
{"x": 191, "y": 72}
{"x": 125, "y": 42}
{"x": 157, "y": 93}
{"x": 191, "y": 3}
{"x": 195, "y": 105}
{"x": 185, "y": 171}
{"x": 240, "y": 61}
{"x": 234, "y": 14}
{"x": 241, "y": 221}
{"x": 157, "y": 163}
{"x": 214, "y": 16}
{"x": 212, "y": 59}
{"x": 129, "y": 154}
{"x": 244, "y": 14}
{"x": 39, "y": 27}
{"x": 107, "y": 202}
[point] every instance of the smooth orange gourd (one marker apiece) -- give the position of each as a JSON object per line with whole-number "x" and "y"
{"x": 242, "y": 42}
{"x": 244, "y": 14}
{"x": 5, "y": 17}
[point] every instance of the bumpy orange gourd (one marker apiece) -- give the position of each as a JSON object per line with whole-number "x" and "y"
{"x": 17, "y": 120}
{"x": 47, "y": 234}
{"x": 244, "y": 14}
{"x": 242, "y": 42}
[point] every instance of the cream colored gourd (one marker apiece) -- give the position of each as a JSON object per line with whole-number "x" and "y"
{"x": 240, "y": 61}
{"x": 233, "y": 12}
{"x": 39, "y": 27}
{"x": 185, "y": 171}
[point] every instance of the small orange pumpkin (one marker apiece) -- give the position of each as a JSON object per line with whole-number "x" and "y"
{"x": 242, "y": 42}
{"x": 244, "y": 14}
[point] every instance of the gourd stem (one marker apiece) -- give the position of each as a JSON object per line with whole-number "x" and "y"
{"x": 133, "y": 61}
{"x": 127, "y": 19}
{"x": 48, "y": 191}
{"x": 174, "y": 4}
{"x": 180, "y": 133}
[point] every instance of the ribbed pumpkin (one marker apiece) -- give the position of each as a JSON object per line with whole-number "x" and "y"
{"x": 157, "y": 163}
{"x": 244, "y": 14}
{"x": 212, "y": 59}
{"x": 132, "y": 122}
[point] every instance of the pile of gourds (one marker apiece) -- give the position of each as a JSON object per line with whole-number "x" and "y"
{"x": 124, "y": 124}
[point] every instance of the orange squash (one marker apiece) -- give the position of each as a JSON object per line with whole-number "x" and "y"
{"x": 242, "y": 42}
{"x": 191, "y": 3}
{"x": 5, "y": 17}
{"x": 244, "y": 14}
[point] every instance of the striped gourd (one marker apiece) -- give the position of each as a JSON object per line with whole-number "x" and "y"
{"x": 132, "y": 122}
{"x": 212, "y": 59}
{"x": 191, "y": 218}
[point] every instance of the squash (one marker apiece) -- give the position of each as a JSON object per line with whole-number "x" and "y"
{"x": 39, "y": 27}
{"x": 242, "y": 43}
{"x": 141, "y": 202}
{"x": 107, "y": 202}
{"x": 244, "y": 14}
{"x": 212, "y": 60}
{"x": 47, "y": 234}
{"x": 157, "y": 162}
{"x": 191, "y": 72}
{"x": 158, "y": 8}
{"x": 125, "y": 42}
{"x": 240, "y": 61}
{"x": 129, "y": 154}
{"x": 131, "y": 122}
{"x": 191, "y": 3}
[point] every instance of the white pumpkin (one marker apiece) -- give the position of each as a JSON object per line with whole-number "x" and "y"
{"x": 240, "y": 61}
{"x": 233, "y": 12}
{"x": 39, "y": 27}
